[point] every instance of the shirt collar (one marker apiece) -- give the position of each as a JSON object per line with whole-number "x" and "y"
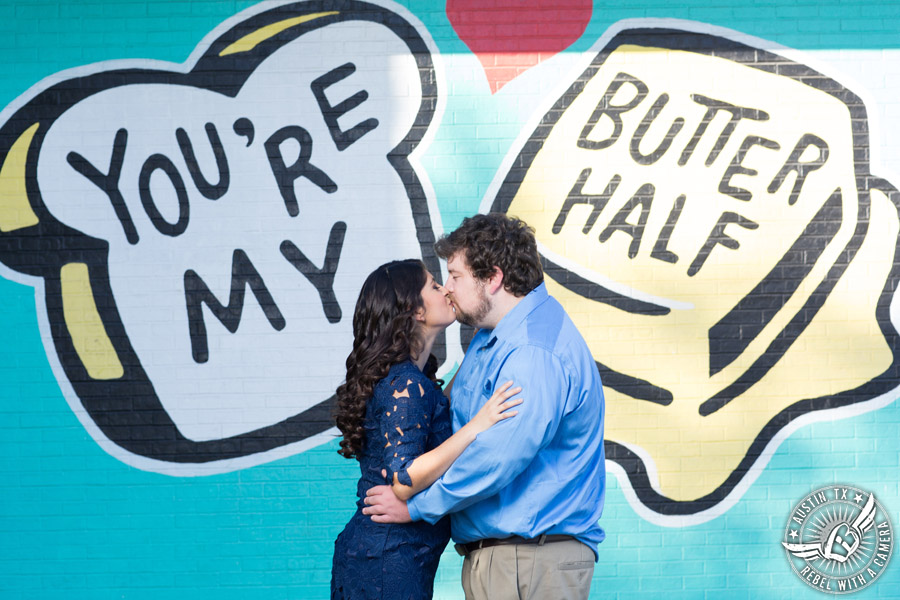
{"x": 512, "y": 321}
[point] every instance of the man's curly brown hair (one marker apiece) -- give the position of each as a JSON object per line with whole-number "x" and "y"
{"x": 496, "y": 240}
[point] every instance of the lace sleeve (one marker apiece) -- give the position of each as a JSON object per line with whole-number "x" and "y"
{"x": 405, "y": 425}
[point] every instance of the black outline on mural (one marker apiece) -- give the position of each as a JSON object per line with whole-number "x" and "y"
{"x": 127, "y": 410}
{"x": 749, "y": 56}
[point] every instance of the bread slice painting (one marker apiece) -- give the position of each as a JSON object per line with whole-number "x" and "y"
{"x": 197, "y": 234}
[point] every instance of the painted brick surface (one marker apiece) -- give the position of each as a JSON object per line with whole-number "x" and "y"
{"x": 140, "y": 464}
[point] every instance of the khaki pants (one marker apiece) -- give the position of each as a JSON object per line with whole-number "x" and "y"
{"x": 553, "y": 571}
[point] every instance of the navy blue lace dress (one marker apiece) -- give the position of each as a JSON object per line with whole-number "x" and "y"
{"x": 407, "y": 416}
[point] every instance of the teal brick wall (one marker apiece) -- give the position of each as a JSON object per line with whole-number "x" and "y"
{"x": 82, "y": 518}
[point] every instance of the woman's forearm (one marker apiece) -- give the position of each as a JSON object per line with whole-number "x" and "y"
{"x": 427, "y": 468}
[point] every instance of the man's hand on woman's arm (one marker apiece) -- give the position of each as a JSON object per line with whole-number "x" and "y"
{"x": 384, "y": 506}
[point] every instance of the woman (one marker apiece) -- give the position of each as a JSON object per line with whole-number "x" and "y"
{"x": 396, "y": 422}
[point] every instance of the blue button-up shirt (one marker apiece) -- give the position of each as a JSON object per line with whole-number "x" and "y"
{"x": 543, "y": 470}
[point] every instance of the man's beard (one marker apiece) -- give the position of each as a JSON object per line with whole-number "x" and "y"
{"x": 475, "y": 318}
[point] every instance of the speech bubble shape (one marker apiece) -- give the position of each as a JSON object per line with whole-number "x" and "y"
{"x": 706, "y": 213}
{"x": 200, "y": 232}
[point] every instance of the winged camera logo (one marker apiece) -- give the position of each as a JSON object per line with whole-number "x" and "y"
{"x": 838, "y": 539}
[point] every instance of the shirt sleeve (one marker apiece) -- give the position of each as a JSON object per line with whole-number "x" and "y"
{"x": 404, "y": 425}
{"x": 500, "y": 454}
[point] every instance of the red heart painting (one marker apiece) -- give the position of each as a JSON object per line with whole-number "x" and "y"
{"x": 511, "y": 36}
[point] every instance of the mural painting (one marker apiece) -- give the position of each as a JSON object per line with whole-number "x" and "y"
{"x": 205, "y": 222}
{"x": 708, "y": 239}
{"x": 710, "y": 208}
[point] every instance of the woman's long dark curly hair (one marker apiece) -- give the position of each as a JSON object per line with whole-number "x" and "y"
{"x": 385, "y": 332}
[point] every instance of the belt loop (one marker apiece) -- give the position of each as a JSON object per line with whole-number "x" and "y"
{"x": 542, "y": 539}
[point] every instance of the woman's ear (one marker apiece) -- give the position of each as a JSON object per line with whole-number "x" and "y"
{"x": 420, "y": 314}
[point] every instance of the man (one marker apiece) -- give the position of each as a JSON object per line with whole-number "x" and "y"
{"x": 526, "y": 495}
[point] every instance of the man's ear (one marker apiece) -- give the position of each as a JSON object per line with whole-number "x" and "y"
{"x": 495, "y": 281}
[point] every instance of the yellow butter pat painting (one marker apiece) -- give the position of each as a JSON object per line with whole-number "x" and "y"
{"x": 705, "y": 213}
